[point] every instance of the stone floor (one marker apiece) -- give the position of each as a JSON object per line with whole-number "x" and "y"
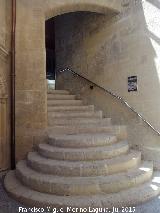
{"x": 7, "y": 205}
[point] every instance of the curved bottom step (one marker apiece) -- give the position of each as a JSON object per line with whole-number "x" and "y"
{"x": 130, "y": 197}
{"x": 69, "y": 186}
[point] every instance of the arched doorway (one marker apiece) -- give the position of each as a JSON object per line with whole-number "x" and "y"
{"x": 31, "y": 88}
{"x": 54, "y": 8}
{"x": 51, "y": 33}
{"x": 50, "y": 52}
{"x": 65, "y": 37}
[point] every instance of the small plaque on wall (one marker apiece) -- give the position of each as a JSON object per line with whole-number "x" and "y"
{"x": 132, "y": 84}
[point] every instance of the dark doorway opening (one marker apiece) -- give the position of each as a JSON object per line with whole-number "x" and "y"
{"x": 50, "y": 49}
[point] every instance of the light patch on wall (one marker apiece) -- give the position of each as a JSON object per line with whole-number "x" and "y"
{"x": 51, "y": 84}
{"x": 156, "y": 47}
{"x": 29, "y": 99}
{"x": 152, "y": 18}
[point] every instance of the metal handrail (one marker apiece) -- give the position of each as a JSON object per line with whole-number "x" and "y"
{"x": 116, "y": 96}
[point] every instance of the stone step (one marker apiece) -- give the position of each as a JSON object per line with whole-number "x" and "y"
{"x": 68, "y": 186}
{"x": 119, "y": 131}
{"x": 78, "y": 121}
{"x": 64, "y": 115}
{"x": 71, "y": 108}
{"x": 130, "y": 197}
{"x": 84, "y": 168}
{"x": 58, "y": 92}
{"x": 64, "y": 102}
{"x": 81, "y": 140}
{"x": 83, "y": 154}
{"x": 60, "y": 97}
{"x": 152, "y": 153}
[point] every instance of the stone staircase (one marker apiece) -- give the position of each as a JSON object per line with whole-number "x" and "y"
{"x": 86, "y": 162}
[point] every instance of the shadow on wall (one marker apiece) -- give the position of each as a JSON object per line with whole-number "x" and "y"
{"x": 108, "y": 49}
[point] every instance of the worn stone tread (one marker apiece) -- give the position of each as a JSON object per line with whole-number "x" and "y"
{"x": 84, "y": 168}
{"x": 79, "y": 121}
{"x": 119, "y": 131}
{"x": 70, "y": 108}
{"x": 61, "y": 97}
{"x": 83, "y": 185}
{"x": 58, "y": 92}
{"x": 81, "y": 140}
{"x": 64, "y": 102}
{"x": 97, "y": 114}
{"x": 88, "y": 154}
{"x": 130, "y": 197}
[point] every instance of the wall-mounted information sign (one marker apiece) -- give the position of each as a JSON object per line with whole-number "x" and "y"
{"x": 132, "y": 84}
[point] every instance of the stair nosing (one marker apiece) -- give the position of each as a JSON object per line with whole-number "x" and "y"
{"x": 26, "y": 174}
{"x": 129, "y": 197}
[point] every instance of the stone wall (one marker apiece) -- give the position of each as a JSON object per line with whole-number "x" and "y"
{"x": 4, "y": 84}
{"x": 31, "y": 110}
{"x": 109, "y": 49}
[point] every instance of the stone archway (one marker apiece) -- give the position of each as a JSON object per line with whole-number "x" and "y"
{"x": 54, "y": 8}
{"x": 31, "y": 101}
